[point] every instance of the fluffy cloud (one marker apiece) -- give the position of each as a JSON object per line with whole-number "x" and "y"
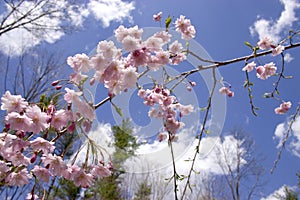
{"x": 110, "y": 10}
{"x": 278, "y": 193}
{"x": 293, "y": 142}
{"x": 273, "y": 28}
{"x": 19, "y": 40}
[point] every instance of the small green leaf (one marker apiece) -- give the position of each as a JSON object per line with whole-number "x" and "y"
{"x": 118, "y": 109}
{"x": 248, "y": 44}
{"x": 288, "y": 77}
{"x": 245, "y": 84}
{"x": 168, "y": 22}
{"x": 207, "y": 131}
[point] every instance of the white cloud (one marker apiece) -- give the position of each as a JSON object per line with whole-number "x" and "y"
{"x": 273, "y": 28}
{"x": 278, "y": 193}
{"x": 19, "y": 40}
{"x": 288, "y": 57}
{"x": 293, "y": 142}
{"x": 110, "y": 10}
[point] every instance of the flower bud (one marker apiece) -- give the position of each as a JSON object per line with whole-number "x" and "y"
{"x": 54, "y": 83}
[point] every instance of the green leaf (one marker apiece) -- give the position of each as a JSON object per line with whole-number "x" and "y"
{"x": 207, "y": 131}
{"x": 248, "y": 44}
{"x": 168, "y": 22}
{"x": 288, "y": 77}
{"x": 118, "y": 109}
{"x": 245, "y": 84}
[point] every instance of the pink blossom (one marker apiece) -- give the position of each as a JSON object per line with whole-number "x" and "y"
{"x": 18, "y": 159}
{"x": 142, "y": 93}
{"x": 85, "y": 109}
{"x": 13, "y": 103}
{"x": 81, "y": 178}
{"x": 42, "y": 173}
{"x": 100, "y": 171}
{"x": 60, "y": 119}
{"x": 265, "y": 43}
{"x": 79, "y": 62}
{"x": 175, "y": 48}
{"x": 164, "y": 36}
{"x": 71, "y": 95}
{"x": 157, "y": 17}
{"x": 264, "y": 72}
{"x": 19, "y": 178}
{"x": 139, "y": 57}
{"x": 40, "y": 144}
{"x": 3, "y": 169}
{"x": 226, "y": 91}
{"x": 283, "y": 108}
{"x": 154, "y": 43}
{"x": 18, "y": 121}
{"x": 249, "y": 67}
{"x": 121, "y": 32}
{"x": 129, "y": 77}
{"x": 78, "y": 78}
{"x": 278, "y": 50}
{"x": 131, "y": 43}
{"x": 56, "y": 165}
{"x": 39, "y": 119}
{"x": 184, "y": 27}
{"x": 108, "y": 50}
{"x": 161, "y": 136}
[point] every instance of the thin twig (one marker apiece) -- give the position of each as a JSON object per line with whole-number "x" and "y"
{"x": 201, "y": 133}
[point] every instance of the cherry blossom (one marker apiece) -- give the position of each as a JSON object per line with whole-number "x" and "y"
{"x": 60, "y": 119}
{"x": 226, "y": 91}
{"x": 39, "y": 119}
{"x": 157, "y": 17}
{"x": 40, "y": 144}
{"x": 265, "y": 43}
{"x": 249, "y": 67}
{"x": 18, "y": 121}
{"x": 264, "y": 72}
{"x": 12, "y": 103}
{"x": 283, "y": 108}
{"x": 80, "y": 177}
{"x": 42, "y": 173}
{"x": 79, "y": 62}
{"x": 100, "y": 171}
{"x": 55, "y": 163}
{"x": 278, "y": 50}
{"x": 19, "y": 178}
{"x": 184, "y": 27}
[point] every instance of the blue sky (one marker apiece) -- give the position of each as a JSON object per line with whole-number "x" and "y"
{"x": 222, "y": 27}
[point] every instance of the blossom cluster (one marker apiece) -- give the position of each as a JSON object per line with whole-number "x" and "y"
{"x": 24, "y": 143}
{"x": 265, "y": 71}
{"x": 27, "y": 151}
{"x": 166, "y": 107}
{"x": 118, "y": 68}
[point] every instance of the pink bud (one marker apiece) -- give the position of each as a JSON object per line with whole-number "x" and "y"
{"x": 260, "y": 70}
{"x": 193, "y": 83}
{"x": 54, "y": 83}
{"x": 92, "y": 81}
{"x": 71, "y": 128}
{"x": 58, "y": 87}
{"x": 230, "y": 94}
{"x": 188, "y": 88}
{"x": 33, "y": 158}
